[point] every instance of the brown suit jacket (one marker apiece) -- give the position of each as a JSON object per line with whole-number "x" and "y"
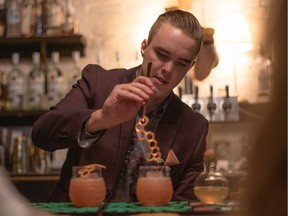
{"x": 180, "y": 129}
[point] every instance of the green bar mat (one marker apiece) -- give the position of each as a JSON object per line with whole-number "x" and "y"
{"x": 122, "y": 207}
{"x": 64, "y": 208}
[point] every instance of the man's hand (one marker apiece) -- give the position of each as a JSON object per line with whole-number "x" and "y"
{"x": 122, "y": 104}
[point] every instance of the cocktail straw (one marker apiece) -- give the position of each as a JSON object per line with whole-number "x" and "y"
{"x": 149, "y": 66}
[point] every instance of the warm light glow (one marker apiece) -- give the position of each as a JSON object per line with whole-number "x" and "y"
{"x": 232, "y": 38}
{"x": 232, "y": 32}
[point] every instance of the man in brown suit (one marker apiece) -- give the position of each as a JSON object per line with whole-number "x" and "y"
{"x": 96, "y": 119}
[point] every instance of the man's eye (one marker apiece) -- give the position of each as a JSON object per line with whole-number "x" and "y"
{"x": 182, "y": 64}
{"x": 161, "y": 55}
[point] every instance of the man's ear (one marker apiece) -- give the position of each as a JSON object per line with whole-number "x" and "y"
{"x": 144, "y": 45}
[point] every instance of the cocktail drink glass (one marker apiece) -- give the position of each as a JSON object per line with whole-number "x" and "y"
{"x": 154, "y": 186}
{"x": 87, "y": 186}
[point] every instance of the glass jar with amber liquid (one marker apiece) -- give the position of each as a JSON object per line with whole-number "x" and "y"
{"x": 211, "y": 187}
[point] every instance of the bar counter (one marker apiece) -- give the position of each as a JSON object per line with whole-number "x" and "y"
{"x": 121, "y": 208}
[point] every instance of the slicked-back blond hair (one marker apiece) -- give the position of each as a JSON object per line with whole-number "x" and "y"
{"x": 182, "y": 20}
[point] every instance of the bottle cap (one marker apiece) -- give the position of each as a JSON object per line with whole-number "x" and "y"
{"x": 75, "y": 55}
{"x": 210, "y": 155}
{"x": 55, "y": 56}
{"x": 36, "y": 57}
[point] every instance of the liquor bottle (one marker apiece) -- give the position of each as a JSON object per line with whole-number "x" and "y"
{"x": 55, "y": 80}
{"x": 210, "y": 186}
{"x": 37, "y": 19}
{"x": 54, "y": 17}
{"x": 262, "y": 69}
{"x": 13, "y": 18}
{"x": 41, "y": 160}
{"x": 3, "y": 90}
{"x": 16, "y": 85}
{"x": 26, "y": 21}
{"x": 35, "y": 86}
{"x": 2, "y": 18}
{"x": 70, "y": 24}
{"x": 76, "y": 72}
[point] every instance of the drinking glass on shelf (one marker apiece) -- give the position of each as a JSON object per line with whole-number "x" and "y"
{"x": 87, "y": 186}
{"x": 154, "y": 186}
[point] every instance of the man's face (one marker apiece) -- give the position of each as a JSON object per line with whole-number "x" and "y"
{"x": 171, "y": 53}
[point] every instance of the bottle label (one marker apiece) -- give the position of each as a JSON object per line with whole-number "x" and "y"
{"x": 36, "y": 85}
{"x": 26, "y": 22}
{"x": 54, "y": 16}
{"x": 55, "y": 92}
{"x": 263, "y": 82}
{"x": 13, "y": 17}
{"x": 34, "y": 100}
{"x": 15, "y": 91}
{"x": 55, "y": 84}
{"x": 16, "y": 102}
{"x": 16, "y": 87}
{"x": 35, "y": 92}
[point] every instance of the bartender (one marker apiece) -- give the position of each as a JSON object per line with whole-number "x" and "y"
{"x": 96, "y": 119}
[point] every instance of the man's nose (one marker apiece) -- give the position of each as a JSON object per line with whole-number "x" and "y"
{"x": 168, "y": 66}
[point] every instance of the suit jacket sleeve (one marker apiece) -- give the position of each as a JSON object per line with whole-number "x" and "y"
{"x": 60, "y": 127}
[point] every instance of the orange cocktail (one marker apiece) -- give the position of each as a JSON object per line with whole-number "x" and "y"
{"x": 154, "y": 186}
{"x": 88, "y": 189}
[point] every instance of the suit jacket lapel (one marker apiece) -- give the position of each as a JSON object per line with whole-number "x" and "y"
{"x": 168, "y": 127}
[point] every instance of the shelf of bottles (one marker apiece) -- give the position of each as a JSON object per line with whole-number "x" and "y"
{"x": 23, "y": 97}
{"x": 65, "y": 44}
{"x": 43, "y": 26}
{"x": 40, "y": 30}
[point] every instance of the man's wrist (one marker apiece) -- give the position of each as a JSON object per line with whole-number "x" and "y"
{"x": 86, "y": 139}
{"x": 95, "y": 123}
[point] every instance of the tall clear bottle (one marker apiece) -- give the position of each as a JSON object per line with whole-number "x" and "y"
{"x": 13, "y": 18}
{"x": 75, "y": 71}
{"x": 27, "y": 15}
{"x": 54, "y": 17}
{"x": 16, "y": 85}
{"x": 2, "y": 18}
{"x": 262, "y": 69}
{"x": 36, "y": 84}
{"x": 55, "y": 80}
{"x": 70, "y": 25}
{"x": 37, "y": 20}
{"x": 3, "y": 90}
